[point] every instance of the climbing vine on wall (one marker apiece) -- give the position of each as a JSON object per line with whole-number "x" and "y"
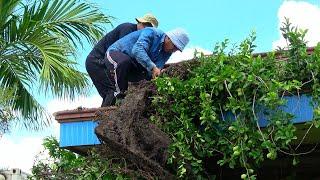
{"x": 58, "y": 163}
{"x": 215, "y": 109}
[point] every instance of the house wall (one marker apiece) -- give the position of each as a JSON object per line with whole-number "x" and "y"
{"x": 78, "y": 133}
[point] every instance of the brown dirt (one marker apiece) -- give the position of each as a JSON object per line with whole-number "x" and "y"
{"x": 127, "y": 133}
{"x": 181, "y": 70}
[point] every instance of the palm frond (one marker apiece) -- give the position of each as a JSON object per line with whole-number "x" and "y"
{"x": 73, "y": 20}
{"x": 13, "y": 76}
{"x": 6, "y": 9}
{"x": 37, "y": 50}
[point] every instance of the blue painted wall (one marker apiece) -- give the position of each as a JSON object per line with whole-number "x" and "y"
{"x": 78, "y": 133}
{"x": 299, "y": 106}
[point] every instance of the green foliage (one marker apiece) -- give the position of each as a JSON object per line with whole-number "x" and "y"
{"x": 64, "y": 164}
{"x": 214, "y": 112}
{"x": 6, "y": 113}
{"x": 38, "y": 42}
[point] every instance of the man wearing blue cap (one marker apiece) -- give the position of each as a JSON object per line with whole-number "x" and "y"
{"x": 139, "y": 55}
{"x": 95, "y": 60}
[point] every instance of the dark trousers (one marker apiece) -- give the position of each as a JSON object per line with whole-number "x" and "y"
{"x": 111, "y": 75}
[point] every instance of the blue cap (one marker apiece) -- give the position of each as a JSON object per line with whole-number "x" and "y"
{"x": 178, "y": 37}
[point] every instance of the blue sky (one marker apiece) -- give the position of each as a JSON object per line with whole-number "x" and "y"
{"x": 206, "y": 21}
{"x": 209, "y": 21}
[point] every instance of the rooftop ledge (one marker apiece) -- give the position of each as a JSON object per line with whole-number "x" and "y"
{"x": 79, "y": 114}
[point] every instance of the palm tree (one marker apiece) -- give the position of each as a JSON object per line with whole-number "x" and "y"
{"x": 38, "y": 41}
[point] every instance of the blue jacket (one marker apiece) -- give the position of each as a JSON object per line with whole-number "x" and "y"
{"x": 146, "y": 46}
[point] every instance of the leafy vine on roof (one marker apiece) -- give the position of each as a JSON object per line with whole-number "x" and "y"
{"x": 214, "y": 111}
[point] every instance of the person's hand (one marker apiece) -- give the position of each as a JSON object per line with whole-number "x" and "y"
{"x": 155, "y": 72}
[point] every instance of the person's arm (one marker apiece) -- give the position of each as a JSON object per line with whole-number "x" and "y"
{"x": 141, "y": 48}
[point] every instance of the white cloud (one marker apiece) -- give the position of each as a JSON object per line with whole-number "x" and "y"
{"x": 66, "y": 104}
{"x": 19, "y": 154}
{"x": 301, "y": 14}
{"x": 186, "y": 54}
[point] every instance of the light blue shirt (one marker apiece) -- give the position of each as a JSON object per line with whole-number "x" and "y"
{"x": 146, "y": 46}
